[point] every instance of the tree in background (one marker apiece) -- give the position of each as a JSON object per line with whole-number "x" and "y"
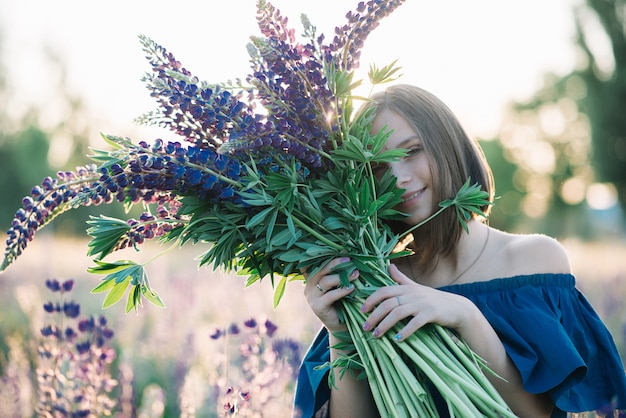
{"x": 569, "y": 140}
{"x": 32, "y": 148}
{"x": 605, "y": 80}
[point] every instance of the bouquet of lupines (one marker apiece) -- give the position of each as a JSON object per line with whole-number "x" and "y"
{"x": 274, "y": 176}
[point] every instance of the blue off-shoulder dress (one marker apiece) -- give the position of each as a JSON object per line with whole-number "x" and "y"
{"x": 549, "y": 330}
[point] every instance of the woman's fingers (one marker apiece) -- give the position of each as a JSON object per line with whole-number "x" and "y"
{"x": 323, "y": 281}
{"x": 323, "y": 289}
{"x": 392, "y": 304}
{"x": 386, "y": 314}
{"x": 398, "y": 276}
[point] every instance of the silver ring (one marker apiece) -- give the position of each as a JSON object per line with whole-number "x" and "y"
{"x": 398, "y": 299}
{"x": 320, "y": 288}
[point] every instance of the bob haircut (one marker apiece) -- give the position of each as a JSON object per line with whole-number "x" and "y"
{"x": 453, "y": 157}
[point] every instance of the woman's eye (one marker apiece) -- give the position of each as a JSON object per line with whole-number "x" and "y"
{"x": 413, "y": 151}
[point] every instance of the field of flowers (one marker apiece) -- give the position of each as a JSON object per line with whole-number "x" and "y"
{"x": 217, "y": 349}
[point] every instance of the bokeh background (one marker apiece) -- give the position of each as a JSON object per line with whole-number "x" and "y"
{"x": 541, "y": 84}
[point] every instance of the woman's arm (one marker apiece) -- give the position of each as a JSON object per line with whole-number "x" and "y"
{"x": 351, "y": 397}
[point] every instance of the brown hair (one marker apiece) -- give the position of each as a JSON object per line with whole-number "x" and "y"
{"x": 453, "y": 157}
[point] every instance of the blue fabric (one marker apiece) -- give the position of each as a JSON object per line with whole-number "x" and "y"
{"x": 549, "y": 330}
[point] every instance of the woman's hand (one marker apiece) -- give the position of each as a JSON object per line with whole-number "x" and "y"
{"x": 323, "y": 289}
{"x": 420, "y": 304}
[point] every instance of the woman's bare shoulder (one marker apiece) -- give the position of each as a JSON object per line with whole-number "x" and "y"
{"x": 533, "y": 253}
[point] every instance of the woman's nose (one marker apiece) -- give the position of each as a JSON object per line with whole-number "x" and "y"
{"x": 401, "y": 174}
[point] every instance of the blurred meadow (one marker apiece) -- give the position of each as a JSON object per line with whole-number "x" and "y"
{"x": 554, "y": 135}
{"x": 187, "y": 355}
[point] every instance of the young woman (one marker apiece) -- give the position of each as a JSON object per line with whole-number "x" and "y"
{"x": 512, "y": 298}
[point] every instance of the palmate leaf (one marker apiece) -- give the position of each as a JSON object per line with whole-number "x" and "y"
{"x": 383, "y": 75}
{"x": 469, "y": 199}
{"x": 107, "y": 232}
{"x": 121, "y": 275}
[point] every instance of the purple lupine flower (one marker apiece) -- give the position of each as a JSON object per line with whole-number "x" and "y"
{"x": 270, "y": 328}
{"x": 233, "y": 329}
{"x": 48, "y": 330}
{"x": 83, "y": 347}
{"x": 53, "y": 285}
{"x": 345, "y": 48}
{"x": 67, "y": 285}
{"x": 44, "y": 203}
{"x": 71, "y": 309}
{"x": 217, "y": 334}
{"x": 290, "y": 351}
{"x": 86, "y": 325}
{"x": 250, "y": 323}
{"x": 70, "y": 334}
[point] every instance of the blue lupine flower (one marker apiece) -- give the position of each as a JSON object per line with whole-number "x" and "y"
{"x": 71, "y": 309}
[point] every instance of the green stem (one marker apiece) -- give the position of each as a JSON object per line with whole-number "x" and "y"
{"x": 413, "y": 228}
{"x": 316, "y": 234}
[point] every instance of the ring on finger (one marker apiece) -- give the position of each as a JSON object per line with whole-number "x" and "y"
{"x": 399, "y": 301}
{"x": 320, "y": 288}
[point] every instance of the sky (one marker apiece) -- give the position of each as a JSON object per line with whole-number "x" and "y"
{"x": 475, "y": 55}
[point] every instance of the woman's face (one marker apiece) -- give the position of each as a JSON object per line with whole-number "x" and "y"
{"x": 412, "y": 171}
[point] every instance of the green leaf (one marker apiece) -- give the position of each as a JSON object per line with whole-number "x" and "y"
{"x": 259, "y": 217}
{"x": 134, "y": 298}
{"x": 106, "y": 284}
{"x": 383, "y": 75}
{"x": 107, "y": 232}
{"x": 152, "y": 297}
{"x": 279, "y": 291}
{"x": 116, "y": 293}
{"x": 108, "y": 268}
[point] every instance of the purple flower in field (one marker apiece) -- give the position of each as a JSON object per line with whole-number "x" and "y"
{"x": 53, "y": 285}
{"x": 71, "y": 309}
{"x": 83, "y": 347}
{"x": 70, "y": 334}
{"x": 67, "y": 285}
{"x": 288, "y": 350}
{"x": 270, "y": 328}
{"x": 250, "y": 323}
{"x": 217, "y": 334}
{"x": 86, "y": 325}
{"x": 48, "y": 330}
{"x": 233, "y": 329}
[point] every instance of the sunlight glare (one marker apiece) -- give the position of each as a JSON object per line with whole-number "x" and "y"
{"x": 601, "y": 196}
{"x": 573, "y": 190}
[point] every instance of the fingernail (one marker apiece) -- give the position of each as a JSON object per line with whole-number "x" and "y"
{"x": 397, "y": 337}
{"x": 344, "y": 259}
{"x": 366, "y": 326}
{"x": 376, "y": 332}
{"x": 350, "y": 286}
{"x": 363, "y": 308}
{"x": 355, "y": 273}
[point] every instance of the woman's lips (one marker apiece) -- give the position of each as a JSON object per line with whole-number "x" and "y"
{"x": 409, "y": 199}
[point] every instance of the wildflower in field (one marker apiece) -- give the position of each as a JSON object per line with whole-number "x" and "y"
{"x": 73, "y": 371}
{"x": 259, "y": 369}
